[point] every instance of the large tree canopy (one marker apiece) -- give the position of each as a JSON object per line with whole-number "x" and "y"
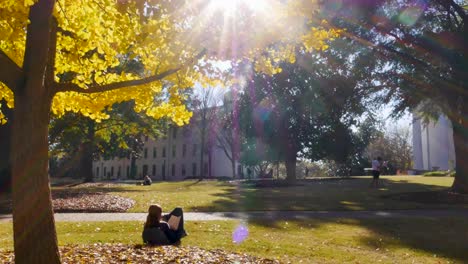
{"x": 420, "y": 50}
{"x": 90, "y": 39}
{"x": 67, "y": 56}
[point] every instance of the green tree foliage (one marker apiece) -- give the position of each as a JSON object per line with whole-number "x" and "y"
{"x": 76, "y": 140}
{"x": 304, "y": 111}
{"x": 393, "y": 145}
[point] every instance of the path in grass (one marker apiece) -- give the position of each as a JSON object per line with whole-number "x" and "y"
{"x": 257, "y": 215}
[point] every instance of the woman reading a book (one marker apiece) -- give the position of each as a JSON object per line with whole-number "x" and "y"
{"x": 163, "y": 230}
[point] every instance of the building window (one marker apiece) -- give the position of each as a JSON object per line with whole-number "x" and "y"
{"x": 194, "y": 150}
{"x": 174, "y": 132}
{"x": 173, "y": 170}
{"x": 146, "y": 153}
{"x": 194, "y": 169}
{"x": 163, "y": 171}
{"x": 173, "y": 151}
{"x": 164, "y": 152}
{"x": 184, "y": 150}
{"x": 112, "y": 171}
{"x": 183, "y": 170}
{"x": 118, "y": 172}
{"x": 97, "y": 171}
{"x": 155, "y": 153}
{"x": 154, "y": 170}
{"x": 128, "y": 171}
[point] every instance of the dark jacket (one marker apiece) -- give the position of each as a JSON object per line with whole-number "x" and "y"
{"x": 159, "y": 235}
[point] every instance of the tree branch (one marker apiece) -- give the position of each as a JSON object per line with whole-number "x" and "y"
{"x": 460, "y": 10}
{"x": 10, "y": 73}
{"x": 71, "y": 87}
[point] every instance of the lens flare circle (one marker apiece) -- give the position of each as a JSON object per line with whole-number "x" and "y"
{"x": 240, "y": 234}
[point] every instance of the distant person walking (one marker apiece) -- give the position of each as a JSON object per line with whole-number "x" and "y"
{"x": 376, "y": 168}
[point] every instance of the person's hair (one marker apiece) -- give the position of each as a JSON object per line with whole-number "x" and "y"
{"x": 379, "y": 158}
{"x": 154, "y": 215}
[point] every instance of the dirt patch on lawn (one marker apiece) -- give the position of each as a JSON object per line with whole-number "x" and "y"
{"x": 119, "y": 253}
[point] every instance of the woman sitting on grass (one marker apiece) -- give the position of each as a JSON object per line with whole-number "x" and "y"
{"x": 169, "y": 231}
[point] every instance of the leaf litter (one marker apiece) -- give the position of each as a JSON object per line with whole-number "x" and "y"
{"x": 121, "y": 253}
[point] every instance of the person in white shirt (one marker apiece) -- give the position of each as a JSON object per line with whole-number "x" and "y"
{"x": 376, "y": 167}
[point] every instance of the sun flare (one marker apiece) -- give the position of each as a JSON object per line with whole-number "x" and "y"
{"x": 232, "y": 6}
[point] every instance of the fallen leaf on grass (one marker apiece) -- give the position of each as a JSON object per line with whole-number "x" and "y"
{"x": 118, "y": 253}
{"x": 81, "y": 200}
{"x": 91, "y": 202}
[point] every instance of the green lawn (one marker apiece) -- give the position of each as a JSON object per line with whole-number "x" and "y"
{"x": 415, "y": 240}
{"x": 347, "y": 194}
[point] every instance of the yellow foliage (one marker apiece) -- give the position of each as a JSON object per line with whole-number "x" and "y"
{"x": 97, "y": 37}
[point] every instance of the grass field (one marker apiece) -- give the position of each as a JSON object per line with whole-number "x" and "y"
{"x": 345, "y": 194}
{"x": 416, "y": 240}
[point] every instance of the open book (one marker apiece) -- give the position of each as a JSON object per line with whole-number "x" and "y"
{"x": 174, "y": 222}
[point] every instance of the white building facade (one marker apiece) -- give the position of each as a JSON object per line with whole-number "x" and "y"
{"x": 433, "y": 146}
{"x": 173, "y": 157}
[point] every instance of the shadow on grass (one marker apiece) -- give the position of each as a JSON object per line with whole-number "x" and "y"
{"x": 446, "y": 237}
{"x": 436, "y": 235}
{"x": 341, "y": 194}
{"x": 443, "y": 237}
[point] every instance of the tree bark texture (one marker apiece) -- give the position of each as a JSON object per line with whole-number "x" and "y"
{"x": 5, "y": 139}
{"x": 35, "y": 239}
{"x": 86, "y": 164}
{"x": 291, "y": 167}
{"x": 460, "y": 138}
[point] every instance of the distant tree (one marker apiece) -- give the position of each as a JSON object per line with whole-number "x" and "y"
{"x": 300, "y": 112}
{"x": 394, "y": 146}
{"x": 76, "y": 140}
{"x": 366, "y": 132}
{"x": 204, "y": 104}
{"x": 228, "y": 132}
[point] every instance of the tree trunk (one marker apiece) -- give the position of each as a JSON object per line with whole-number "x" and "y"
{"x": 202, "y": 153}
{"x": 5, "y": 139}
{"x": 291, "y": 168}
{"x": 35, "y": 239}
{"x": 133, "y": 168}
{"x": 460, "y": 137}
{"x": 86, "y": 162}
{"x": 233, "y": 168}
{"x": 86, "y": 168}
{"x": 210, "y": 158}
